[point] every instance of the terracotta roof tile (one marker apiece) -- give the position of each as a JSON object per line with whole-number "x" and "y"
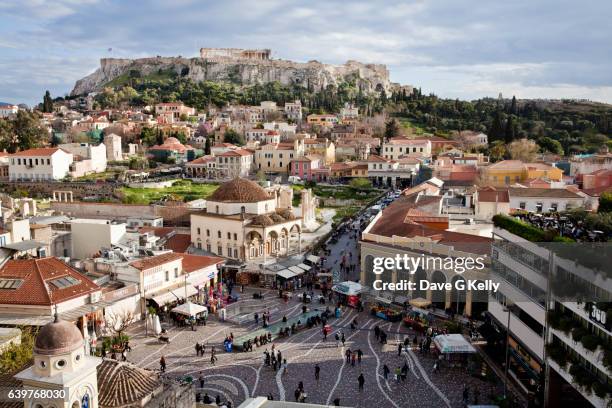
{"x": 151, "y": 262}
{"x": 196, "y": 262}
{"x": 37, "y": 288}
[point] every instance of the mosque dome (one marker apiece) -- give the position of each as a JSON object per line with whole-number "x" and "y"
{"x": 58, "y": 337}
{"x": 240, "y": 190}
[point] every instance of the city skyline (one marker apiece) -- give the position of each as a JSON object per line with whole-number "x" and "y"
{"x": 507, "y": 48}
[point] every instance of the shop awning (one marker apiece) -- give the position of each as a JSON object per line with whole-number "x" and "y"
{"x": 172, "y": 295}
{"x": 313, "y": 259}
{"x": 348, "y": 288}
{"x": 453, "y": 343}
{"x": 285, "y": 274}
{"x": 305, "y": 267}
{"x": 296, "y": 269}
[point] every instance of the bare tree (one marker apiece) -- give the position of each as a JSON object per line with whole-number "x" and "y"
{"x": 523, "y": 149}
{"x": 117, "y": 323}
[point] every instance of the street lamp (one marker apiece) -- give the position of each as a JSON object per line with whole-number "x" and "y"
{"x": 507, "y": 309}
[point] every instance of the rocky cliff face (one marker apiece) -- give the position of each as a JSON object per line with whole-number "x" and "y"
{"x": 242, "y": 72}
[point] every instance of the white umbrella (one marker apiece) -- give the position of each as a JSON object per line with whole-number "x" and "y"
{"x": 156, "y": 325}
{"x": 190, "y": 309}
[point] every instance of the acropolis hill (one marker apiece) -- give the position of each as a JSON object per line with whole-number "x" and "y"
{"x": 242, "y": 67}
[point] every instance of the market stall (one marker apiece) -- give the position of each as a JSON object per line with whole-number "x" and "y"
{"x": 419, "y": 302}
{"x": 193, "y": 312}
{"x": 454, "y": 347}
{"x": 323, "y": 280}
{"x": 418, "y": 319}
{"x": 383, "y": 309}
{"x": 349, "y": 293}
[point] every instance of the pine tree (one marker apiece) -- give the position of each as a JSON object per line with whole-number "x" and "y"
{"x": 47, "y": 105}
{"x": 510, "y": 130}
{"x": 392, "y": 129}
{"x": 513, "y": 106}
{"x": 496, "y": 132}
{"x": 207, "y": 146}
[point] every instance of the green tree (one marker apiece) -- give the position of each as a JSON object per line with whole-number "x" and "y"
{"x": 47, "y": 105}
{"x": 207, "y": 146}
{"x": 509, "y": 133}
{"x": 148, "y": 136}
{"x": 30, "y": 133}
{"x": 605, "y": 203}
{"x": 360, "y": 184}
{"x": 497, "y": 131}
{"x": 392, "y": 129}
{"x": 15, "y": 356}
{"x": 551, "y": 145}
{"x": 233, "y": 137}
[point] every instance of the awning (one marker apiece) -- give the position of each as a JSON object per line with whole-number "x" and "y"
{"x": 190, "y": 309}
{"x": 420, "y": 302}
{"x": 313, "y": 259}
{"x": 453, "y": 343}
{"x": 16, "y": 320}
{"x": 172, "y": 295}
{"x": 304, "y": 266}
{"x": 296, "y": 270}
{"x": 285, "y": 274}
{"x": 74, "y": 314}
{"x": 348, "y": 288}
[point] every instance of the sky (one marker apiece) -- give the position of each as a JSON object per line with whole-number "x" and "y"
{"x": 463, "y": 49}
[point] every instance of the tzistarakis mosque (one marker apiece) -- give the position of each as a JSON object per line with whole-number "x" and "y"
{"x": 244, "y": 221}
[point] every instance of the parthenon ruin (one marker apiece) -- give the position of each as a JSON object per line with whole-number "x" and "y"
{"x": 235, "y": 53}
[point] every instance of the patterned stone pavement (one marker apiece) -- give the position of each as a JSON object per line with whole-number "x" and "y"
{"x": 238, "y": 375}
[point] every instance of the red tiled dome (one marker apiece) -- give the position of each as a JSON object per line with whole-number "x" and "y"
{"x": 240, "y": 190}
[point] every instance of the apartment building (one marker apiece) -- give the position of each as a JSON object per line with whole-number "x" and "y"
{"x": 552, "y": 297}
{"x": 293, "y": 111}
{"x": 403, "y": 146}
{"x": 40, "y": 164}
{"x": 234, "y": 163}
{"x": 171, "y": 112}
{"x": 275, "y": 158}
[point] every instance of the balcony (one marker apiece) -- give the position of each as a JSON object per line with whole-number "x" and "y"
{"x": 564, "y": 373}
{"x": 530, "y": 339}
{"x": 594, "y": 357}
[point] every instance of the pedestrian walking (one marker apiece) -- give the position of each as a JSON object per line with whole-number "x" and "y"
{"x": 256, "y": 318}
{"x": 342, "y": 338}
{"x": 466, "y": 394}
{"x": 405, "y": 371}
{"x": 353, "y": 359}
{"x": 399, "y": 349}
{"x": 201, "y": 379}
{"x": 347, "y": 353}
{"x": 337, "y": 337}
{"x": 385, "y": 372}
{"x": 359, "y": 355}
{"x": 361, "y": 381}
{"x": 284, "y": 366}
{"x": 317, "y": 372}
{"x": 162, "y": 364}
{"x": 398, "y": 373}
{"x": 124, "y": 355}
{"x": 197, "y": 348}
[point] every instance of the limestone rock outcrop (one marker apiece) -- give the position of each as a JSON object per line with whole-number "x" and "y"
{"x": 242, "y": 72}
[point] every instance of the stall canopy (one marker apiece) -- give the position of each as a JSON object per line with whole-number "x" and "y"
{"x": 304, "y": 266}
{"x": 296, "y": 270}
{"x": 348, "y": 288}
{"x": 285, "y": 274}
{"x": 313, "y": 259}
{"x": 190, "y": 309}
{"x": 453, "y": 343}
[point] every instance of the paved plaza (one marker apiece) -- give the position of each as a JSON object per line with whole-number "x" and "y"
{"x": 237, "y": 375}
